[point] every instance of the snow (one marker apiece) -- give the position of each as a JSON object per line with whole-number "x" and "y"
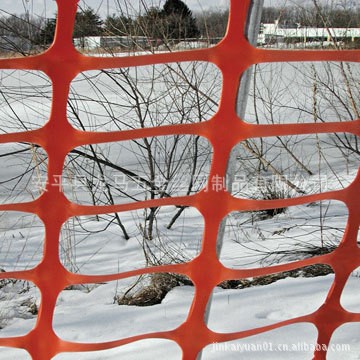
{"x": 93, "y": 251}
{"x": 10, "y": 353}
{"x": 102, "y": 107}
{"x": 20, "y": 161}
{"x": 15, "y": 315}
{"x": 350, "y": 299}
{"x": 286, "y": 92}
{"x": 22, "y": 237}
{"x": 89, "y": 313}
{"x": 77, "y": 310}
{"x": 270, "y": 345}
{"x": 258, "y": 239}
{"x": 345, "y": 334}
{"x": 283, "y": 300}
{"x": 144, "y": 349}
{"x": 25, "y": 101}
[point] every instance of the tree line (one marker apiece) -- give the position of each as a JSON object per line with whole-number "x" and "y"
{"x": 314, "y": 15}
{"x": 173, "y": 21}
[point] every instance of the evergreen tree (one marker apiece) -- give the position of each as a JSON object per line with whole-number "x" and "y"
{"x": 87, "y": 23}
{"x": 173, "y": 22}
{"x": 46, "y": 34}
{"x": 178, "y": 20}
{"x": 151, "y": 24}
{"x": 176, "y": 7}
{"x": 118, "y": 25}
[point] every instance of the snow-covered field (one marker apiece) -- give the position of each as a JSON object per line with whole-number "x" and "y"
{"x": 96, "y": 245}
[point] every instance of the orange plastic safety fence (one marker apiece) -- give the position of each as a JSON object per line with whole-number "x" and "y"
{"x": 224, "y": 130}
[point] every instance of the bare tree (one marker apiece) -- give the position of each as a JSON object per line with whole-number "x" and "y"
{"x": 292, "y": 166}
{"x": 170, "y": 166}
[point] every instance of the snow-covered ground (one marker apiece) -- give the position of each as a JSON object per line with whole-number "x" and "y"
{"x": 95, "y": 245}
{"x": 93, "y": 317}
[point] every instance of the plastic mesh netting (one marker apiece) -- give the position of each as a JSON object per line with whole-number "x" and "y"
{"x": 233, "y": 55}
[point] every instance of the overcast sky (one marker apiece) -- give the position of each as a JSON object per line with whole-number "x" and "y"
{"x": 47, "y": 8}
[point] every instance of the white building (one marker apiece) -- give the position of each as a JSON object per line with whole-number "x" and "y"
{"x": 111, "y": 42}
{"x": 275, "y": 33}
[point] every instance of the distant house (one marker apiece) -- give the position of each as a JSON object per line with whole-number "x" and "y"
{"x": 87, "y": 42}
{"x": 112, "y": 42}
{"x": 277, "y": 33}
{"x": 91, "y": 43}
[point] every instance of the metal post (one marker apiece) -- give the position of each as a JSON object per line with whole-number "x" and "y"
{"x": 251, "y": 31}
